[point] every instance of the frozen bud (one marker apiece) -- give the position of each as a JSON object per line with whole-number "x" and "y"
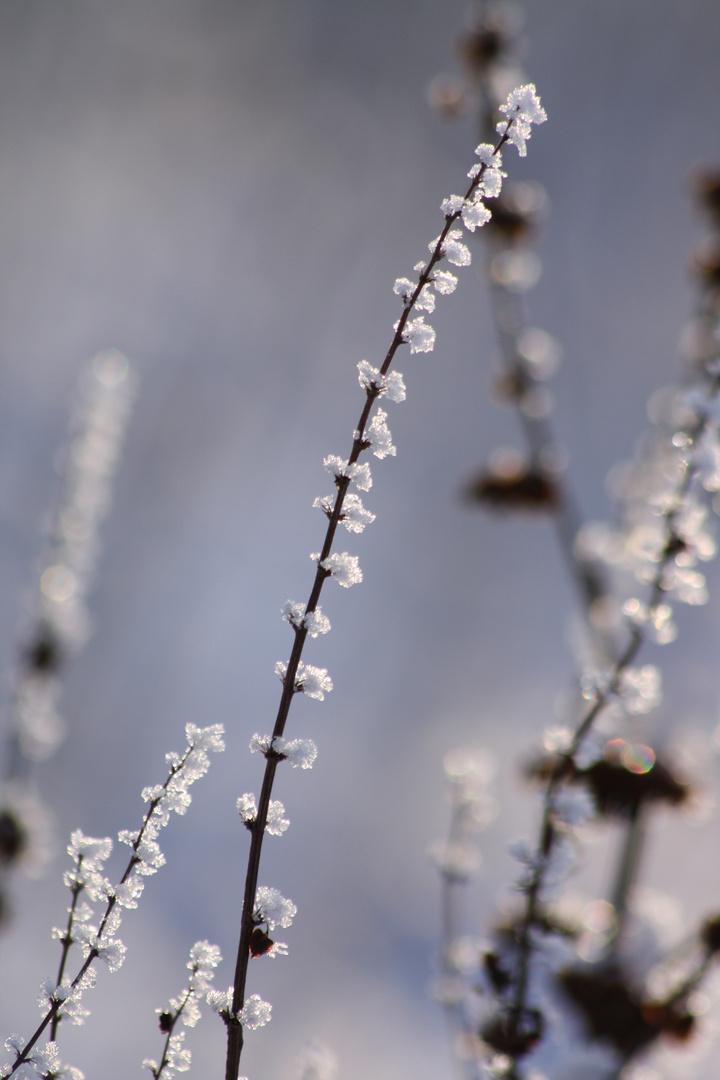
{"x": 344, "y": 568}
{"x": 314, "y": 622}
{"x": 405, "y": 288}
{"x": 418, "y": 334}
{"x": 276, "y": 823}
{"x": 489, "y": 157}
{"x": 354, "y": 516}
{"x": 452, "y": 206}
{"x": 391, "y": 385}
{"x": 301, "y": 753}
{"x": 255, "y": 1013}
{"x": 475, "y": 215}
{"x": 426, "y": 300}
{"x": 312, "y": 681}
{"x": 444, "y": 282}
{"x": 455, "y": 252}
{"x": 220, "y": 1001}
{"x": 273, "y": 909}
{"x": 361, "y": 476}
{"x": 522, "y": 109}
{"x": 247, "y": 808}
{"x": 378, "y": 433}
{"x": 336, "y": 466}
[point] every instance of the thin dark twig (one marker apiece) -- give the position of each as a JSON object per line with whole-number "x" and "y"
{"x": 53, "y": 1015}
{"x": 257, "y": 826}
{"x": 564, "y": 764}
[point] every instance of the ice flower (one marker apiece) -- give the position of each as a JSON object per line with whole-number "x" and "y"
{"x": 343, "y": 567}
{"x": 378, "y": 433}
{"x": 301, "y": 753}
{"x": 475, "y": 215}
{"x": 405, "y": 288}
{"x": 312, "y": 681}
{"x": 276, "y": 823}
{"x": 426, "y": 300}
{"x": 354, "y": 516}
{"x": 314, "y": 621}
{"x": 391, "y": 385}
{"x": 273, "y": 909}
{"x": 220, "y": 1001}
{"x": 255, "y": 1013}
{"x": 444, "y": 282}
{"x": 522, "y": 109}
{"x": 418, "y": 334}
{"x": 453, "y": 250}
{"x": 339, "y": 468}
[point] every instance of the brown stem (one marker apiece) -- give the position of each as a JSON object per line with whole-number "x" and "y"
{"x": 564, "y": 763}
{"x": 257, "y": 827}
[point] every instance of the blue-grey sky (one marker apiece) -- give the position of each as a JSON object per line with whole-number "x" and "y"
{"x": 226, "y": 192}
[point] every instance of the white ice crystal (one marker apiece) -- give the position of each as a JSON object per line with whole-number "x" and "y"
{"x": 489, "y": 157}
{"x": 316, "y": 623}
{"x": 522, "y": 109}
{"x": 220, "y": 1001}
{"x": 343, "y": 567}
{"x": 301, "y": 753}
{"x": 247, "y": 807}
{"x": 378, "y": 433}
{"x": 475, "y": 215}
{"x": 204, "y": 958}
{"x": 45, "y": 1062}
{"x": 444, "y": 282}
{"x": 312, "y": 681}
{"x": 426, "y": 300}
{"x": 452, "y": 205}
{"x": 404, "y": 287}
{"x": 391, "y": 385}
{"x": 361, "y": 476}
{"x": 89, "y": 855}
{"x": 276, "y": 823}
{"x": 273, "y": 909}
{"x": 354, "y": 516}
{"x": 453, "y": 250}
{"x": 420, "y": 335}
{"x": 255, "y": 1013}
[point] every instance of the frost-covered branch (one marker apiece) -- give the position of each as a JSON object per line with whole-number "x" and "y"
{"x": 57, "y": 618}
{"x": 62, "y": 998}
{"x": 535, "y": 480}
{"x": 521, "y": 110}
{"x": 204, "y": 958}
{"x": 670, "y": 554}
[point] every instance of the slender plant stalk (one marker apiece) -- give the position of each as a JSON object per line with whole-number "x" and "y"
{"x": 257, "y": 826}
{"x": 53, "y": 1015}
{"x": 518, "y": 1008}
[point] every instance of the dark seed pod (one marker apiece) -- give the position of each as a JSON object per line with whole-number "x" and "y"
{"x": 165, "y": 1022}
{"x": 260, "y": 942}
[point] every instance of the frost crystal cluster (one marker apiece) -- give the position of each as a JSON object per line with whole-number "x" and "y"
{"x": 185, "y": 1009}
{"x": 61, "y": 998}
